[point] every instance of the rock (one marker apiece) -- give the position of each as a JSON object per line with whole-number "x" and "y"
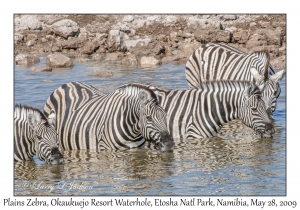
{"x": 168, "y": 58}
{"x": 83, "y": 35}
{"x": 141, "y": 23}
{"x": 90, "y": 47}
{"x": 128, "y": 18}
{"x": 55, "y": 48}
{"x": 184, "y": 34}
{"x": 98, "y": 72}
{"x": 282, "y": 50}
{"x": 228, "y": 17}
{"x": 66, "y": 28}
{"x": 40, "y": 68}
{"x": 31, "y": 37}
{"x": 150, "y": 60}
{"x": 133, "y": 43}
{"x": 256, "y": 40}
{"x": 97, "y": 57}
{"x": 279, "y": 63}
{"x": 173, "y": 36}
{"x": 117, "y": 56}
{"x": 72, "y": 43}
{"x": 222, "y": 36}
{"x": 101, "y": 36}
{"x": 240, "y": 37}
{"x": 130, "y": 59}
{"x": 30, "y": 22}
{"x": 273, "y": 37}
{"x": 204, "y": 24}
{"x": 101, "y": 49}
{"x": 59, "y": 60}
{"x": 81, "y": 59}
{"x": 18, "y": 38}
{"x": 30, "y": 43}
{"x": 189, "y": 48}
{"x": 231, "y": 29}
{"x": 115, "y": 40}
{"x": 273, "y": 50}
{"x": 205, "y": 36}
{"x": 162, "y": 38}
{"x": 169, "y": 20}
{"x": 154, "y": 18}
{"x": 252, "y": 24}
{"x": 26, "y": 59}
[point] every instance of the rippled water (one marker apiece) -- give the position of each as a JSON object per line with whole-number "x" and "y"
{"x": 232, "y": 164}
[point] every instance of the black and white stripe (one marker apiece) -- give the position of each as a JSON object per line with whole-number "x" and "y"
{"x": 222, "y": 62}
{"x": 200, "y": 113}
{"x": 34, "y": 134}
{"x": 89, "y": 119}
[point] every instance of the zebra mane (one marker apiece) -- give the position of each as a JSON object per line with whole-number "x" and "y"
{"x": 266, "y": 71}
{"x": 237, "y": 84}
{"x": 135, "y": 88}
{"x": 23, "y": 112}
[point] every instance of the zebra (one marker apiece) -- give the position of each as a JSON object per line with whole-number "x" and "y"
{"x": 200, "y": 113}
{"x": 34, "y": 134}
{"x": 125, "y": 118}
{"x": 222, "y": 62}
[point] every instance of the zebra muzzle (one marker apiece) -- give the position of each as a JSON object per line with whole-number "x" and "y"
{"x": 56, "y": 157}
{"x": 167, "y": 142}
{"x": 269, "y": 129}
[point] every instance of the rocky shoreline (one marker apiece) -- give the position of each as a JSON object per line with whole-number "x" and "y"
{"x": 141, "y": 39}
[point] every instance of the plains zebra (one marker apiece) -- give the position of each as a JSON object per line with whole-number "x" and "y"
{"x": 221, "y": 62}
{"x": 88, "y": 119}
{"x": 200, "y": 113}
{"x": 35, "y": 134}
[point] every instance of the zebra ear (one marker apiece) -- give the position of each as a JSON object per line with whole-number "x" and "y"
{"x": 253, "y": 89}
{"x": 278, "y": 76}
{"x": 144, "y": 97}
{"x": 256, "y": 74}
{"x": 52, "y": 117}
{"x": 33, "y": 122}
{"x": 262, "y": 87}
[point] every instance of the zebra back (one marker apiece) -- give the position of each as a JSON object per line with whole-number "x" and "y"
{"x": 88, "y": 119}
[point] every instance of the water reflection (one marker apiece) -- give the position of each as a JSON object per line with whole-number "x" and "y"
{"x": 129, "y": 171}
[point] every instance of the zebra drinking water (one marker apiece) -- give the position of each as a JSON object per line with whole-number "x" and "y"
{"x": 221, "y": 62}
{"x": 89, "y": 119}
{"x": 200, "y": 113}
{"x": 35, "y": 134}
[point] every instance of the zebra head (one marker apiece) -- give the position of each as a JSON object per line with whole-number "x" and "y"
{"x": 253, "y": 111}
{"x": 153, "y": 120}
{"x": 45, "y": 136}
{"x": 271, "y": 90}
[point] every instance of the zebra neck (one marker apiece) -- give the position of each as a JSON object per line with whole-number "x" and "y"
{"x": 25, "y": 145}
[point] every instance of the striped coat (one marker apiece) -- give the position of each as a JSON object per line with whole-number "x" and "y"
{"x": 221, "y": 62}
{"x": 200, "y": 113}
{"x": 126, "y": 118}
{"x": 34, "y": 134}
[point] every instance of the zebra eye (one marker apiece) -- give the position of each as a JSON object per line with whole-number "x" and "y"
{"x": 148, "y": 118}
{"x": 39, "y": 137}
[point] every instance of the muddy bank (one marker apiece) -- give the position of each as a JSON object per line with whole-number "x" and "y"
{"x": 142, "y": 39}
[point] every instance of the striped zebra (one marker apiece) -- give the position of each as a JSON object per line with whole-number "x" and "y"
{"x": 221, "y": 62}
{"x": 200, "y": 113}
{"x": 34, "y": 134}
{"x": 89, "y": 119}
